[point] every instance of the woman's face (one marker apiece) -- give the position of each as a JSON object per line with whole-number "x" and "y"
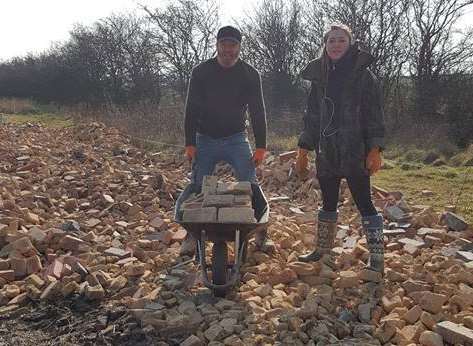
{"x": 337, "y": 44}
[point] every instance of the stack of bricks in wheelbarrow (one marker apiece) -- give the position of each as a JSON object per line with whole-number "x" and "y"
{"x": 220, "y": 202}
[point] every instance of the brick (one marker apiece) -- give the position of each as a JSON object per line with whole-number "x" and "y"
{"x": 413, "y": 314}
{"x": 209, "y": 185}
{"x": 242, "y": 200}
{"x": 35, "y": 280}
{"x": 432, "y": 302}
{"x": 95, "y": 292}
{"x": 179, "y": 235}
{"x": 192, "y": 341}
{"x": 235, "y": 188}
{"x": 137, "y": 269}
{"x": 23, "y": 246}
{"x": 4, "y": 264}
{"x": 19, "y": 299}
{"x": 288, "y": 155}
{"x": 200, "y": 215}
{"x": 70, "y": 288}
{"x": 7, "y": 275}
{"x": 391, "y": 303}
{"x": 240, "y": 215}
{"x": 370, "y": 275}
{"x": 348, "y": 279}
{"x": 454, "y": 222}
{"x": 454, "y": 333}
{"x": 33, "y": 264}
{"x": 32, "y": 292}
{"x": 424, "y": 231}
{"x": 412, "y": 242}
{"x": 50, "y": 291}
{"x": 120, "y": 253}
{"x": 18, "y": 264}
{"x": 37, "y": 235}
{"x": 218, "y": 201}
{"x": 71, "y": 243}
{"x": 430, "y": 338}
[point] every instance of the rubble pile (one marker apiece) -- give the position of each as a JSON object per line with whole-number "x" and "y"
{"x": 83, "y": 213}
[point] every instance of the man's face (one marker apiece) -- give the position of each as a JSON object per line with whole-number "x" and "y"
{"x": 337, "y": 44}
{"x": 228, "y": 52}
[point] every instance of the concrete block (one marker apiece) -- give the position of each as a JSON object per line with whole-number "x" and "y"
{"x": 240, "y": 215}
{"x": 242, "y": 201}
{"x": 235, "y": 188}
{"x": 200, "y": 215}
{"x": 209, "y": 185}
{"x": 455, "y": 334}
{"x": 218, "y": 201}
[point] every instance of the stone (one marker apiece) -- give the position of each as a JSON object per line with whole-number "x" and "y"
{"x": 432, "y": 302}
{"x": 214, "y": 333}
{"x": 71, "y": 243}
{"x": 390, "y": 303}
{"x": 200, "y": 215}
{"x": 370, "y": 275}
{"x": 413, "y": 314}
{"x": 120, "y": 253}
{"x": 95, "y": 292}
{"x": 347, "y": 279}
{"x": 192, "y": 340}
{"x": 394, "y": 213}
{"x": 454, "y": 222}
{"x": 50, "y": 291}
{"x": 429, "y": 338}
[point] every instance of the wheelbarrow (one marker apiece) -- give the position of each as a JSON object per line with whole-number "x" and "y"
{"x": 224, "y": 274}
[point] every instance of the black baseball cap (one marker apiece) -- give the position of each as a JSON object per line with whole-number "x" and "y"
{"x": 229, "y": 33}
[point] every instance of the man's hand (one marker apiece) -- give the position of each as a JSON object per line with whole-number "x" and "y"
{"x": 373, "y": 161}
{"x": 190, "y": 152}
{"x": 258, "y": 156}
{"x": 302, "y": 163}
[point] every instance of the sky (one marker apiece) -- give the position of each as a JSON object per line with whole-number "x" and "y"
{"x": 31, "y": 26}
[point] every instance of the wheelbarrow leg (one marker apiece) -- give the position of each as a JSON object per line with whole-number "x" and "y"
{"x": 219, "y": 267}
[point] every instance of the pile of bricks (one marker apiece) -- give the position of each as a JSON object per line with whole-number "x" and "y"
{"x": 220, "y": 202}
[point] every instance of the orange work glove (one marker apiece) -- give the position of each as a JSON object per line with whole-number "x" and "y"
{"x": 373, "y": 161}
{"x": 258, "y": 156}
{"x": 190, "y": 152}
{"x": 302, "y": 163}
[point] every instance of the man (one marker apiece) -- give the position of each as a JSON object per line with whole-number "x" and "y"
{"x": 221, "y": 90}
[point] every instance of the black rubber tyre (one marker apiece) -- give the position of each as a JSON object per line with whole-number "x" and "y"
{"x": 219, "y": 266}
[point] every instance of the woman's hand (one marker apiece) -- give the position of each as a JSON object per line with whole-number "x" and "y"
{"x": 374, "y": 161}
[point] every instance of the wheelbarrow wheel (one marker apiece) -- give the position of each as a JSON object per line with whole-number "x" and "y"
{"x": 219, "y": 267}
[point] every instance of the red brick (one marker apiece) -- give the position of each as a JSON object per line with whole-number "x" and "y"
{"x": 179, "y": 235}
{"x": 33, "y": 265}
{"x": 7, "y": 275}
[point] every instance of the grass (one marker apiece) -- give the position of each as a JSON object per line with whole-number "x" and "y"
{"x": 450, "y": 186}
{"x": 45, "y": 119}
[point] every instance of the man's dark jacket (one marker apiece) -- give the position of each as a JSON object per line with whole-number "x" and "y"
{"x": 344, "y": 127}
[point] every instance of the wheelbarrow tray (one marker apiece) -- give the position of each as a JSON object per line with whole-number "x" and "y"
{"x": 219, "y": 233}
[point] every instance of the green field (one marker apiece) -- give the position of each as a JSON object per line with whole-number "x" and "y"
{"x": 450, "y": 186}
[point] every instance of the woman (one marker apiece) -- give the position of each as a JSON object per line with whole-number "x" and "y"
{"x": 344, "y": 125}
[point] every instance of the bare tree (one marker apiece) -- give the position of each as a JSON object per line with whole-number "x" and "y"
{"x": 380, "y": 26}
{"x": 183, "y": 34}
{"x": 273, "y": 41}
{"x": 435, "y": 51}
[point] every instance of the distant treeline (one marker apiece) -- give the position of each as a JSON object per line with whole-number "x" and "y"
{"x": 422, "y": 58}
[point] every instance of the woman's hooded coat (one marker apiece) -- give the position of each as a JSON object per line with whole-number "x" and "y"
{"x": 344, "y": 117}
